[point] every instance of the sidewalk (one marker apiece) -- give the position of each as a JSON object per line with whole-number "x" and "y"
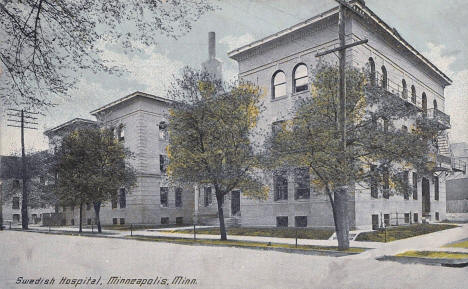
{"x": 430, "y": 242}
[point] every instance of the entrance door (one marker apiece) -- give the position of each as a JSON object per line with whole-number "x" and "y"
{"x": 235, "y": 203}
{"x": 426, "y": 197}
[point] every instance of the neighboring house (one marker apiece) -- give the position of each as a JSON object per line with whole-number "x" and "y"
{"x": 457, "y": 184}
{"x": 11, "y": 195}
{"x": 280, "y": 64}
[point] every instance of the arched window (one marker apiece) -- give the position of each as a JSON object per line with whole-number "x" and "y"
{"x": 424, "y": 103}
{"x": 372, "y": 71}
{"x": 413, "y": 94}
{"x": 384, "y": 80}
{"x": 163, "y": 135}
{"x": 300, "y": 80}
{"x": 279, "y": 84}
{"x": 435, "y": 104}
{"x": 404, "y": 92}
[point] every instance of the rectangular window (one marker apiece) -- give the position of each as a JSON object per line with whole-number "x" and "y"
{"x": 90, "y": 221}
{"x": 415, "y": 217}
{"x": 72, "y": 222}
{"x": 302, "y": 183}
{"x": 15, "y": 204}
{"x": 64, "y": 208}
{"x": 300, "y": 221}
{"x": 16, "y": 218}
{"x": 208, "y": 196}
{"x": 122, "y": 221}
{"x": 373, "y": 182}
{"x": 405, "y": 182}
{"x": 163, "y": 162}
{"x": 386, "y": 183}
{"x": 164, "y": 220}
{"x": 114, "y": 221}
{"x": 375, "y": 222}
{"x": 386, "y": 218}
{"x": 121, "y": 133}
{"x": 178, "y": 197}
{"x": 179, "y": 220}
{"x": 282, "y": 221}
{"x": 436, "y": 188}
{"x": 280, "y": 181}
{"x": 122, "y": 198}
{"x": 415, "y": 186}
{"x": 407, "y": 218}
{"x": 163, "y": 196}
{"x": 114, "y": 201}
{"x": 163, "y": 133}
{"x": 437, "y": 216}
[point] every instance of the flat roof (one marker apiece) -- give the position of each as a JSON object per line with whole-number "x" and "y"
{"x": 356, "y": 3}
{"x": 130, "y": 97}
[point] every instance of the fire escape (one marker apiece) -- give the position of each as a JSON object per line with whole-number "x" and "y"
{"x": 445, "y": 161}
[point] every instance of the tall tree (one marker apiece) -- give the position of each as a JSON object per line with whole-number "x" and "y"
{"x": 92, "y": 166}
{"x": 46, "y": 45}
{"x": 210, "y": 130}
{"x": 378, "y": 153}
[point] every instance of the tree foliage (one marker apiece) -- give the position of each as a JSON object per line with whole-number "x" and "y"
{"x": 91, "y": 167}
{"x": 47, "y": 44}
{"x": 210, "y": 135}
{"x": 379, "y": 149}
{"x": 312, "y": 137}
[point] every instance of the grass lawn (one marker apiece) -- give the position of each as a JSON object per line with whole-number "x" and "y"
{"x": 138, "y": 227}
{"x": 434, "y": 255}
{"x": 302, "y": 233}
{"x": 245, "y": 244}
{"x": 461, "y": 244}
{"x": 402, "y": 232}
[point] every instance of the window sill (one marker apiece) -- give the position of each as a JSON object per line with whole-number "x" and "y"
{"x": 296, "y": 94}
{"x": 279, "y": 98}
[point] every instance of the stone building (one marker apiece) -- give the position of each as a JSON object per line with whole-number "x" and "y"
{"x": 281, "y": 63}
{"x": 11, "y": 185}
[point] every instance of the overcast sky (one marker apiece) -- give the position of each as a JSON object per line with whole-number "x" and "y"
{"x": 437, "y": 28}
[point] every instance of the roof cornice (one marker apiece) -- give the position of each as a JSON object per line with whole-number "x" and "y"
{"x": 361, "y": 9}
{"x": 127, "y": 98}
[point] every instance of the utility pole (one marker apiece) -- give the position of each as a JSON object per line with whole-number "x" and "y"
{"x": 340, "y": 195}
{"x": 18, "y": 116}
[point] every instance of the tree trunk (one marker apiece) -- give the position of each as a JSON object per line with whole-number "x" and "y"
{"x": 81, "y": 217}
{"x": 97, "y": 209}
{"x": 222, "y": 227}
{"x": 340, "y": 213}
